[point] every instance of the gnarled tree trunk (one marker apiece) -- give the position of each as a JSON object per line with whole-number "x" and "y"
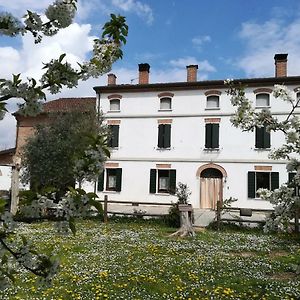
{"x": 186, "y": 228}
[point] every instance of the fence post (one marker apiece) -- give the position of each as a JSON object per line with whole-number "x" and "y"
{"x": 105, "y": 209}
{"x": 219, "y": 207}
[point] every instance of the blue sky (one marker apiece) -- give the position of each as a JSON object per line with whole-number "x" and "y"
{"x": 226, "y": 38}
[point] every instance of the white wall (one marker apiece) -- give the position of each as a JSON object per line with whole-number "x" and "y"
{"x": 138, "y": 153}
{"x": 5, "y": 178}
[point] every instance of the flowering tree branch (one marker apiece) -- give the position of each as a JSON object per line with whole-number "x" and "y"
{"x": 286, "y": 199}
{"x": 58, "y": 74}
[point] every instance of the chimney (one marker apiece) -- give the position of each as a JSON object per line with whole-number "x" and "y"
{"x": 280, "y": 65}
{"x": 191, "y": 73}
{"x": 111, "y": 79}
{"x": 144, "y": 70}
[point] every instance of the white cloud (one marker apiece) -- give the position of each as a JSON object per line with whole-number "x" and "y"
{"x": 204, "y": 65}
{"x": 10, "y": 59}
{"x": 198, "y": 41}
{"x": 7, "y": 132}
{"x": 142, "y": 10}
{"x": 19, "y": 7}
{"x": 76, "y": 41}
{"x": 266, "y": 39}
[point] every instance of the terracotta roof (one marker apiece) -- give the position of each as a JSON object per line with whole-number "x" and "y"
{"x": 69, "y": 104}
{"x": 8, "y": 151}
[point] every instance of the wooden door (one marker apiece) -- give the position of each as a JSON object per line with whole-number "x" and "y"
{"x": 210, "y": 192}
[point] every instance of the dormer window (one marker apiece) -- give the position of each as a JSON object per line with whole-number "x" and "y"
{"x": 114, "y": 105}
{"x": 165, "y": 103}
{"x": 213, "y": 101}
{"x": 263, "y": 100}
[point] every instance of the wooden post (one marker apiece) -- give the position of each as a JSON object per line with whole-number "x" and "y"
{"x": 105, "y": 209}
{"x": 219, "y": 208}
{"x": 14, "y": 190}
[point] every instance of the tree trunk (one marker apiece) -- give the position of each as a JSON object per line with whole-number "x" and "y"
{"x": 186, "y": 228}
{"x": 14, "y": 190}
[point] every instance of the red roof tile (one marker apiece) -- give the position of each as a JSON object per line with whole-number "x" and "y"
{"x": 69, "y": 104}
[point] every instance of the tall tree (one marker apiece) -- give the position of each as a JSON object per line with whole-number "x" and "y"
{"x": 53, "y": 156}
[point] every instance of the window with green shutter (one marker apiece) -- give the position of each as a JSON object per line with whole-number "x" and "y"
{"x": 101, "y": 182}
{"x": 162, "y": 181}
{"x": 262, "y": 138}
{"x": 211, "y": 136}
{"x": 262, "y": 180}
{"x": 113, "y": 179}
{"x": 113, "y": 140}
{"x": 164, "y": 136}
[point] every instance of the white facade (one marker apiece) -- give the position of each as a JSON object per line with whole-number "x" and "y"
{"x": 5, "y": 178}
{"x": 137, "y": 152}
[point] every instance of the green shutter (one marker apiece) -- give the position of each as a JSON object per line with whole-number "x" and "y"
{"x": 110, "y": 136}
{"x": 259, "y": 137}
{"x": 274, "y": 180}
{"x": 291, "y": 176}
{"x": 172, "y": 187}
{"x": 267, "y": 139}
{"x": 152, "y": 187}
{"x": 119, "y": 179}
{"x": 101, "y": 182}
{"x": 160, "y": 143}
{"x": 251, "y": 185}
{"x": 167, "y": 136}
{"x": 115, "y": 136}
{"x": 215, "y": 136}
{"x": 208, "y": 136}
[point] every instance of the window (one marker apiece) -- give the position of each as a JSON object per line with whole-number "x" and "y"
{"x": 113, "y": 140}
{"x": 211, "y": 136}
{"x": 265, "y": 180}
{"x": 262, "y": 100}
{"x": 162, "y": 181}
{"x": 114, "y": 105}
{"x": 113, "y": 180}
{"x": 164, "y": 136}
{"x": 165, "y": 103}
{"x": 212, "y": 102}
{"x": 262, "y": 138}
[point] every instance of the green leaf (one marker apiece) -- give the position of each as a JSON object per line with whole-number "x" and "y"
{"x": 97, "y": 205}
{"x": 72, "y": 225}
{"x": 62, "y": 57}
{"x": 24, "y": 240}
{"x": 2, "y": 205}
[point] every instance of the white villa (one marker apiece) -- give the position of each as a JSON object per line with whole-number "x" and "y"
{"x": 165, "y": 133}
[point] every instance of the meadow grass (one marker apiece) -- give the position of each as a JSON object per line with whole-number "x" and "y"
{"x": 127, "y": 260}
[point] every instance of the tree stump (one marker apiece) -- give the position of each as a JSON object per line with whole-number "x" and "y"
{"x": 186, "y": 228}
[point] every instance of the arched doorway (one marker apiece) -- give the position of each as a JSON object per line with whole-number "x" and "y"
{"x": 211, "y": 185}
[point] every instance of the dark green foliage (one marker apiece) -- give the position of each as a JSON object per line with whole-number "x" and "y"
{"x": 173, "y": 218}
{"x": 50, "y": 155}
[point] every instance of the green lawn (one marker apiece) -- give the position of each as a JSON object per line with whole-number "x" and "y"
{"x": 140, "y": 261}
